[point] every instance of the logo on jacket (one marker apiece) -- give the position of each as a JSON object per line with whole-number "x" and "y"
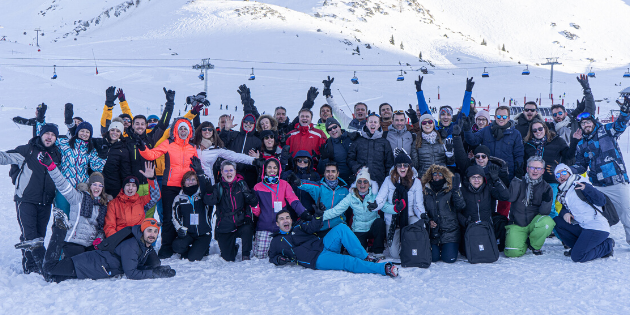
{"x": 608, "y": 159}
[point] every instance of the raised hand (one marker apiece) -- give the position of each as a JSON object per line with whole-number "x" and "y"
{"x": 412, "y": 114}
{"x": 68, "y": 112}
{"x": 45, "y": 160}
{"x": 625, "y": 106}
{"x": 469, "y": 84}
{"x": 583, "y": 79}
{"x": 327, "y": 84}
{"x": 110, "y": 96}
{"x": 419, "y": 83}
{"x": 149, "y": 170}
{"x": 372, "y": 205}
{"x": 195, "y": 164}
{"x": 170, "y": 96}
{"x": 121, "y": 95}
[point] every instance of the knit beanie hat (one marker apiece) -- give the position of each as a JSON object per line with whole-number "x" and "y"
{"x": 426, "y": 116}
{"x": 332, "y": 121}
{"x": 364, "y": 173}
{"x": 49, "y": 128}
{"x": 266, "y": 133}
{"x": 123, "y": 116}
{"x": 483, "y": 149}
{"x": 149, "y": 222}
{"x": 561, "y": 167}
{"x": 483, "y": 113}
{"x": 475, "y": 170}
{"x": 84, "y": 125}
{"x": 131, "y": 179}
{"x": 402, "y": 158}
{"x": 446, "y": 108}
{"x": 250, "y": 118}
{"x": 117, "y": 123}
{"x": 96, "y": 177}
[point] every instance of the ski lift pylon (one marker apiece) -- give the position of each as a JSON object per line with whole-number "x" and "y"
{"x": 354, "y": 79}
{"x": 201, "y": 77}
{"x": 485, "y": 73}
{"x": 400, "y": 77}
{"x": 591, "y": 74}
{"x": 627, "y": 74}
{"x": 252, "y": 76}
{"x": 54, "y": 72}
{"x": 526, "y": 71}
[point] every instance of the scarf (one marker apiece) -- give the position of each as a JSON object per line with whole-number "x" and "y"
{"x": 190, "y": 191}
{"x": 566, "y": 185}
{"x": 436, "y": 186}
{"x": 565, "y": 122}
{"x": 529, "y": 193}
{"x": 540, "y": 145}
{"x": 205, "y": 143}
{"x": 399, "y": 220}
{"x": 87, "y": 208}
{"x": 332, "y": 183}
{"x": 497, "y": 131}
{"x": 430, "y": 137}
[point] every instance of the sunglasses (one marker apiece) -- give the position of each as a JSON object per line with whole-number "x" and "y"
{"x": 362, "y": 181}
{"x": 437, "y": 174}
{"x": 480, "y": 156}
{"x": 331, "y": 128}
{"x": 126, "y": 120}
{"x": 269, "y": 137}
{"x": 585, "y": 115}
{"x": 399, "y": 112}
{"x": 502, "y": 116}
{"x": 207, "y": 129}
{"x": 153, "y": 120}
{"x": 538, "y": 169}
{"x": 427, "y": 122}
{"x": 302, "y": 160}
{"x": 562, "y": 173}
{"x": 402, "y": 165}
{"x": 539, "y": 129}
{"x": 153, "y": 222}
{"x": 558, "y": 113}
{"x": 531, "y": 110}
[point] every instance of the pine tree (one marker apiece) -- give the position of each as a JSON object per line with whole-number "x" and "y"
{"x": 391, "y": 40}
{"x": 483, "y": 42}
{"x": 420, "y": 56}
{"x": 503, "y": 48}
{"x": 402, "y": 47}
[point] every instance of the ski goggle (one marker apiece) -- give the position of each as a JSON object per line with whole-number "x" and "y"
{"x": 272, "y": 180}
{"x": 584, "y": 115}
{"x": 562, "y": 173}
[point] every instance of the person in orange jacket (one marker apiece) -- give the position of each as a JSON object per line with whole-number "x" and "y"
{"x": 129, "y": 208}
{"x": 177, "y": 151}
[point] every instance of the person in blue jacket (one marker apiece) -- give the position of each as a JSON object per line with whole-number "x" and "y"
{"x": 302, "y": 246}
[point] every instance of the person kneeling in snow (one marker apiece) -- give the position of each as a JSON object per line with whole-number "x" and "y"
{"x": 128, "y": 252}
{"x": 580, "y": 224}
{"x": 300, "y": 245}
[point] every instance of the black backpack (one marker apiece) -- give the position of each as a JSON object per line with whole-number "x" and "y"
{"x": 499, "y": 222}
{"x": 109, "y": 244}
{"x": 481, "y": 245}
{"x": 415, "y": 248}
{"x": 608, "y": 210}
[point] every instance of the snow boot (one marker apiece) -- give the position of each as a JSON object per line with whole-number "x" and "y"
{"x": 536, "y": 252}
{"x": 568, "y": 253}
{"x": 61, "y": 219}
{"x": 30, "y": 244}
{"x": 246, "y": 258}
{"x": 373, "y": 258}
{"x": 612, "y": 251}
{"x": 391, "y": 270}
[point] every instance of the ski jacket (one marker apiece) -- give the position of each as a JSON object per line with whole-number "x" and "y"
{"x": 33, "y": 183}
{"x": 159, "y": 162}
{"x": 241, "y": 142}
{"x": 117, "y": 167}
{"x": 125, "y": 210}
{"x": 210, "y": 155}
{"x": 415, "y": 202}
{"x": 372, "y": 151}
{"x": 188, "y": 208}
{"x": 442, "y": 206}
{"x": 233, "y": 204}
{"x": 509, "y": 148}
{"x": 480, "y": 202}
{"x": 328, "y": 196}
{"x": 306, "y": 138}
{"x": 599, "y": 153}
{"x": 445, "y": 131}
{"x": 301, "y": 245}
{"x": 75, "y": 162}
{"x": 584, "y": 214}
{"x": 522, "y": 215}
{"x": 336, "y": 150}
{"x": 177, "y": 154}
{"x": 428, "y": 154}
{"x": 305, "y": 174}
{"x": 555, "y": 151}
{"x": 403, "y": 139}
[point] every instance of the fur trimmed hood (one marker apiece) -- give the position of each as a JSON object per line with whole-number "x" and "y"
{"x": 173, "y": 134}
{"x": 274, "y": 123}
{"x": 448, "y": 176}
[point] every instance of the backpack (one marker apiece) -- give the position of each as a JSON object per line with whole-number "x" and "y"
{"x": 109, "y": 244}
{"x": 608, "y": 210}
{"x": 481, "y": 245}
{"x": 415, "y": 247}
{"x": 499, "y": 222}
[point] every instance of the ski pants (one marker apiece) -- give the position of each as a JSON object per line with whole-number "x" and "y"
{"x": 377, "y": 232}
{"x": 619, "y": 194}
{"x": 536, "y": 231}
{"x": 263, "y": 241}
{"x": 332, "y": 259}
{"x": 446, "y": 252}
{"x": 192, "y": 246}
{"x": 585, "y": 244}
{"x": 56, "y": 268}
{"x": 168, "y": 232}
{"x": 394, "y": 249}
{"x": 33, "y": 220}
{"x": 227, "y": 242}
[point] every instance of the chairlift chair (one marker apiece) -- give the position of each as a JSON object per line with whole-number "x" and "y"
{"x": 201, "y": 77}
{"x": 252, "y": 76}
{"x": 526, "y": 71}
{"x": 54, "y": 72}
{"x": 400, "y": 77}
{"x": 485, "y": 73}
{"x": 354, "y": 79}
{"x": 627, "y": 74}
{"x": 424, "y": 70}
{"x": 591, "y": 74}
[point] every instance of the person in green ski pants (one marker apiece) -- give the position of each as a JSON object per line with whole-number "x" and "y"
{"x": 530, "y": 223}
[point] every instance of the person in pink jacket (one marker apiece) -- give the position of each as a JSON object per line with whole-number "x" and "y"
{"x": 274, "y": 195}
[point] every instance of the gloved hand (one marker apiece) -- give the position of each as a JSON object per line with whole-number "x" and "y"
{"x": 245, "y": 94}
{"x": 163, "y": 272}
{"x": 398, "y": 151}
{"x": 469, "y": 220}
{"x": 399, "y": 205}
{"x": 135, "y": 138}
{"x": 519, "y": 170}
{"x": 579, "y": 108}
{"x": 419, "y": 83}
{"x": 22, "y": 121}
{"x": 583, "y": 79}
{"x": 449, "y": 148}
{"x": 327, "y": 84}
{"x": 306, "y": 216}
{"x": 110, "y": 96}
{"x": 68, "y": 112}
{"x": 310, "y": 98}
{"x": 457, "y": 129}
{"x": 170, "y": 97}
{"x": 547, "y": 195}
{"x": 456, "y": 182}
{"x": 469, "y": 84}
{"x": 121, "y": 95}
{"x": 411, "y": 113}
{"x": 282, "y": 260}
{"x": 372, "y": 205}
{"x": 259, "y": 162}
{"x": 45, "y": 160}
{"x": 181, "y": 233}
{"x": 327, "y": 152}
{"x": 493, "y": 169}
{"x": 625, "y": 107}
{"x": 319, "y": 209}
{"x": 195, "y": 164}
{"x": 466, "y": 124}
{"x": 41, "y": 112}
{"x": 96, "y": 241}
{"x": 196, "y": 109}
{"x": 294, "y": 180}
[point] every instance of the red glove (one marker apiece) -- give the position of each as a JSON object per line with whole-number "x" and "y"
{"x": 121, "y": 95}
{"x": 196, "y": 109}
{"x": 96, "y": 242}
{"x": 399, "y": 205}
{"x": 45, "y": 160}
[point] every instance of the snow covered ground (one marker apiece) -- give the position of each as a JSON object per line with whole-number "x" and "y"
{"x": 146, "y": 45}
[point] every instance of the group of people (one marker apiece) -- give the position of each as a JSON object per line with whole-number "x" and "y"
{"x": 331, "y": 194}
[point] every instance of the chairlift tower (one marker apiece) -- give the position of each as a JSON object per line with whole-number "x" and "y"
{"x": 551, "y": 61}
{"x": 37, "y": 30}
{"x": 204, "y": 66}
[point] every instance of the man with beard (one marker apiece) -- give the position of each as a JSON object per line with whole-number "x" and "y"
{"x": 565, "y": 124}
{"x": 526, "y": 118}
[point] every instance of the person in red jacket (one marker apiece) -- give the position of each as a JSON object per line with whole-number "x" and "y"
{"x": 306, "y": 137}
{"x": 177, "y": 151}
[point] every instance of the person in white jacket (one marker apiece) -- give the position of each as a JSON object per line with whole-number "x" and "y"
{"x": 402, "y": 191}
{"x": 581, "y": 225}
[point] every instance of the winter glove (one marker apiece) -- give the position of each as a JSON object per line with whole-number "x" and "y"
{"x": 245, "y": 94}
{"x": 419, "y": 83}
{"x": 294, "y": 180}
{"x": 23, "y": 121}
{"x": 196, "y": 165}
{"x": 327, "y": 84}
{"x": 45, "y": 160}
{"x": 181, "y": 233}
{"x": 411, "y": 113}
{"x": 282, "y": 260}
{"x": 196, "y": 109}
{"x": 399, "y": 205}
{"x": 625, "y": 107}
{"x": 121, "y": 95}
{"x": 319, "y": 209}
{"x": 456, "y": 181}
{"x": 372, "y": 205}
{"x": 315, "y": 157}
{"x": 135, "y": 138}
{"x": 398, "y": 151}
{"x": 311, "y": 95}
{"x": 519, "y": 170}
{"x": 327, "y": 152}
{"x": 547, "y": 196}
{"x": 469, "y": 221}
{"x": 96, "y": 241}
{"x": 466, "y": 124}
{"x": 469, "y": 84}
{"x": 306, "y": 216}
{"x": 443, "y": 133}
{"x": 68, "y": 112}
{"x": 449, "y": 148}
{"x": 41, "y": 112}
{"x": 493, "y": 169}
{"x": 110, "y": 96}
{"x": 163, "y": 272}
{"x": 259, "y": 163}
{"x": 457, "y": 129}
{"x": 170, "y": 97}
{"x": 583, "y": 79}
{"x": 579, "y": 108}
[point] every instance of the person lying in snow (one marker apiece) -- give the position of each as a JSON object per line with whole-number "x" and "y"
{"x": 300, "y": 245}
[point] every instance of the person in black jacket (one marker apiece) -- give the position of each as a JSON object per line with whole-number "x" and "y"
{"x": 242, "y": 142}
{"x": 479, "y": 193}
{"x": 301, "y": 245}
{"x": 336, "y": 149}
{"x": 302, "y": 170}
{"x": 372, "y": 150}
{"x": 127, "y": 252}
{"x": 118, "y": 166}
{"x": 442, "y": 201}
{"x": 34, "y": 191}
{"x": 233, "y": 200}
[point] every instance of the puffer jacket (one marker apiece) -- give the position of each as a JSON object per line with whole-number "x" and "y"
{"x": 372, "y": 151}
{"x": 442, "y": 206}
{"x": 83, "y": 230}
{"x": 117, "y": 167}
{"x": 184, "y": 207}
{"x": 428, "y": 154}
{"x": 336, "y": 150}
{"x": 463, "y": 162}
{"x": 241, "y": 142}
{"x": 126, "y": 210}
{"x": 233, "y": 204}
{"x": 541, "y": 203}
{"x": 401, "y": 139}
{"x": 307, "y": 138}
{"x": 268, "y": 194}
{"x": 555, "y": 151}
{"x": 480, "y": 202}
{"x": 177, "y": 154}
{"x": 363, "y": 218}
{"x": 305, "y": 174}
{"x": 301, "y": 245}
{"x": 509, "y": 148}
{"x": 415, "y": 202}
{"x": 599, "y": 153}
{"x": 210, "y": 155}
